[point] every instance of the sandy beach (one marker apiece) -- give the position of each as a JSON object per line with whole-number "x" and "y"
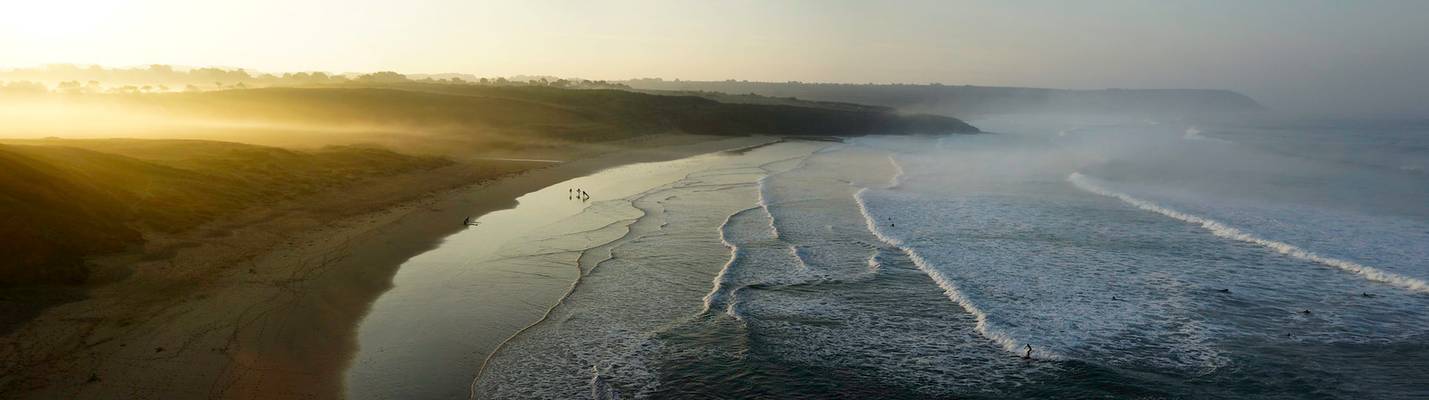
{"x": 268, "y": 307}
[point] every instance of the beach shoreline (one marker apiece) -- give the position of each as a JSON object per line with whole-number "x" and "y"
{"x": 280, "y": 323}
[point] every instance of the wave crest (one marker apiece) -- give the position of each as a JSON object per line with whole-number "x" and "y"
{"x": 1222, "y": 230}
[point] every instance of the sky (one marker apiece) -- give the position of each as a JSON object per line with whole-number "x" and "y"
{"x": 1305, "y": 55}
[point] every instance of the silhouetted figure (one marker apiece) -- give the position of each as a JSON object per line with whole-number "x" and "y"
{"x": 1366, "y": 294}
{"x": 1028, "y": 354}
{"x": 466, "y": 221}
{"x": 1113, "y": 298}
{"x": 1224, "y": 290}
{"x": 1306, "y": 312}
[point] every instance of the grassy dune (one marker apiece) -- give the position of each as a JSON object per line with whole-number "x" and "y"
{"x": 64, "y": 199}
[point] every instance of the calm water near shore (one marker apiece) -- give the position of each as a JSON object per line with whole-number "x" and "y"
{"x": 450, "y": 307}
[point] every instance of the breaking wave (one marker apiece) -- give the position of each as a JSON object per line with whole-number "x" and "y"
{"x": 1225, "y": 231}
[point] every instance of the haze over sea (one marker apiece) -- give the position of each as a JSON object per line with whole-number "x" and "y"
{"x": 1274, "y": 259}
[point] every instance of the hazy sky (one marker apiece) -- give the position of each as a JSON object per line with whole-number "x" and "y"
{"x": 1304, "y": 55}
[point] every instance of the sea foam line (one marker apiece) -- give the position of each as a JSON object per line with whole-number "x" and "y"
{"x": 897, "y": 179}
{"x": 581, "y": 273}
{"x": 761, "y": 185}
{"x": 984, "y": 327}
{"x": 723, "y": 279}
{"x": 1225, "y": 231}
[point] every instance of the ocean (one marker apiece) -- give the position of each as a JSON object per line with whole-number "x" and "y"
{"x": 1052, "y": 257}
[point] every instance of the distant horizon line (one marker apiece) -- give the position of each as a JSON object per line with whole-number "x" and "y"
{"x": 465, "y": 75}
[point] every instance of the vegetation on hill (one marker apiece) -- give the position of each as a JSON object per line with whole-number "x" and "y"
{"x": 971, "y": 100}
{"x": 68, "y": 78}
{"x": 458, "y": 121}
{"x": 64, "y": 199}
{"x": 542, "y": 112}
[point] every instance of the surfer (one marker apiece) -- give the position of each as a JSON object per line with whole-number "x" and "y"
{"x": 466, "y": 221}
{"x": 1028, "y": 354}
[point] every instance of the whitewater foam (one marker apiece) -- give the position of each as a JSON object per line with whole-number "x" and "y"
{"x": 600, "y": 389}
{"x": 723, "y": 279}
{"x": 1194, "y": 133}
{"x": 1225, "y": 231}
{"x": 984, "y": 327}
{"x": 897, "y": 178}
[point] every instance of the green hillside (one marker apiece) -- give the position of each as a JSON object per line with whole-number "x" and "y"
{"x": 513, "y": 113}
{"x": 63, "y": 199}
{"x": 50, "y": 215}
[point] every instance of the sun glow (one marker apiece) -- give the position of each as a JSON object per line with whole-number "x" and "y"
{"x": 62, "y": 21}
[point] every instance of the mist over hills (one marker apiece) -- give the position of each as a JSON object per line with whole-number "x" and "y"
{"x": 949, "y": 100}
{"x": 552, "y": 113}
{"x": 461, "y": 118}
{"x": 973, "y": 100}
{"x": 67, "y": 198}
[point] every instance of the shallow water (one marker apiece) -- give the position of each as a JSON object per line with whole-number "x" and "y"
{"x": 451, "y": 306}
{"x": 1134, "y": 259}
